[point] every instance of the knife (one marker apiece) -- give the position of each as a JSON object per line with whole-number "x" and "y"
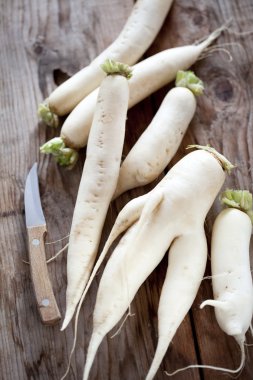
{"x": 36, "y": 230}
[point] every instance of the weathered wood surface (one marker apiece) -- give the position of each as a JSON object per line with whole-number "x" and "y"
{"x": 41, "y": 43}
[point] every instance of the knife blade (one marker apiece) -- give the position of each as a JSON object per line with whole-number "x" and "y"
{"x": 36, "y": 230}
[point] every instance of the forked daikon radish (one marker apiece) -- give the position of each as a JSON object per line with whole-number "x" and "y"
{"x": 125, "y": 219}
{"x": 159, "y": 142}
{"x": 149, "y": 75}
{"x": 138, "y": 33}
{"x": 186, "y": 267}
{"x": 98, "y": 182}
{"x": 174, "y": 211}
{"x": 231, "y": 274}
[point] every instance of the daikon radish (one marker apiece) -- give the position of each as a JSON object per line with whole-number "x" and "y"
{"x": 159, "y": 142}
{"x": 98, "y": 182}
{"x": 138, "y": 33}
{"x": 231, "y": 273}
{"x": 149, "y": 75}
{"x": 174, "y": 211}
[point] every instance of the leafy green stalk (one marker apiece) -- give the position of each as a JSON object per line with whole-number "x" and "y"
{"x": 111, "y": 67}
{"x": 49, "y": 118}
{"x": 226, "y": 165}
{"x": 240, "y": 199}
{"x": 63, "y": 155}
{"x": 189, "y": 80}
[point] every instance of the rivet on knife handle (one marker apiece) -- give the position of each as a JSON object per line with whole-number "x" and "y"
{"x": 46, "y": 302}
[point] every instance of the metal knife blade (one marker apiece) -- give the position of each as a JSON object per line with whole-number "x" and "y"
{"x": 33, "y": 210}
{"x": 36, "y": 229}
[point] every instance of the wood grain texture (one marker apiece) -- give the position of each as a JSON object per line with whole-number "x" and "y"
{"x": 42, "y": 43}
{"x": 46, "y": 303}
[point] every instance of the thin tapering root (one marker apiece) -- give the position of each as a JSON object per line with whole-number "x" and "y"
{"x": 220, "y": 48}
{"x": 126, "y": 218}
{"x": 213, "y": 303}
{"x": 95, "y": 341}
{"x": 219, "y": 275}
{"x": 57, "y": 254}
{"x": 227, "y": 370}
{"x": 209, "y": 52}
{"x": 121, "y": 224}
{"x": 57, "y": 241}
{"x": 71, "y": 352}
{"x": 92, "y": 276}
{"x": 51, "y": 258}
{"x": 207, "y": 40}
{"x": 129, "y": 314}
{"x": 160, "y": 352}
{"x": 240, "y": 34}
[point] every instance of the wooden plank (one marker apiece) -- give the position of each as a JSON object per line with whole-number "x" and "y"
{"x": 223, "y": 120}
{"x": 42, "y": 42}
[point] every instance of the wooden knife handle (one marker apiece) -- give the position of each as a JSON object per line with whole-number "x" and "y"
{"x": 46, "y": 302}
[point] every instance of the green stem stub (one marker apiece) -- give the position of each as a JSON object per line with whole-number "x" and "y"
{"x": 111, "y": 67}
{"x": 189, "y": 80}
{"x": 240, "y": 199}
{"x": 226, "y": 165}
{"x": 64, "y": 156}
{"x": 49, "y": 118}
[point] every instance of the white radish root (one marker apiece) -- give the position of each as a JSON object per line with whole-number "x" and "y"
{"x": 186, "y": 267}
{"x": 149, "y": 75}
{"x": 159, "y": 142}
{"x": 191, "y": 186}
{"x": 231, "y": 274}
{"x": 125, "y": 219}
{"x": 97, "y": 185}
{"x": 138, "y": 33}
{"x": 233, "y": 294}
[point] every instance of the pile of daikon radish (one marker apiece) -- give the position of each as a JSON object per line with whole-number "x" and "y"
{"x": 169, "y": 217}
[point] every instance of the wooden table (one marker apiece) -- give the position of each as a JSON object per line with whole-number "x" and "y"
{"x": 42, "y": 43}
